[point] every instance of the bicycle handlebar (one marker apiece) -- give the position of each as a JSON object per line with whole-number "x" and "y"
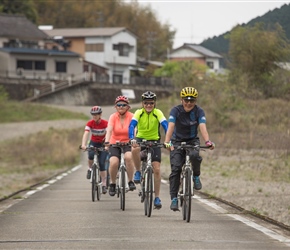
{"x": 120, "y": 144}
{"x": 92, "y": 148}
{"x": 185, "y": 146}
{"x": 151, "y": 144}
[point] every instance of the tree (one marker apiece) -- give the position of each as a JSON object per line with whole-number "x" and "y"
{"x": 26, "y": 8}
{"x": 182, "y": 73}
{"x": 255, "y": 52}
{"x": 153, "y": 38}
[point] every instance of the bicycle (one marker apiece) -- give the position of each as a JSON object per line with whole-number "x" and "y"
{"x": 185, "y": 190}
{"x": 147, "y": 175}
{"x": 122, "y": 178}
{"x": 95, "y": 175}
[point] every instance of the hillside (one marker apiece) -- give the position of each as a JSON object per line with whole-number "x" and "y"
{"x": 220, "y": 45}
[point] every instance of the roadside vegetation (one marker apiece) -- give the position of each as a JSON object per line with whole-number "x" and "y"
{"x": 12, "y": 111}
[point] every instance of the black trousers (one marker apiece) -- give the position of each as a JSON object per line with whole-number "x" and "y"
{"x": 177, "y": 160}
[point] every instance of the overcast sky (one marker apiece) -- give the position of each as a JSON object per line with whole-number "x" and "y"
{"x": 198, "y": 20}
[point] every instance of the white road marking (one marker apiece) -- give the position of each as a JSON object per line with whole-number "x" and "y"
{"x": 248, "y": 222}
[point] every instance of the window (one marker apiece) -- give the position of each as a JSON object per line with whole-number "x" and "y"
{"x": 123, "y": 48}
{"x": 210, "y": 65}
{"x": 95, "y": 47}
{"x": 39, "y": 65}
{"x": 118, "y": 77}
{"x": 60, "y": 67}
{"x": 30, "y": 65}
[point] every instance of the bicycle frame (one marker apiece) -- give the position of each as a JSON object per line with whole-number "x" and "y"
{"x": 95, "y": 175}
{"x": 147, "y": 176}
{"x": 122, "y": 177}
{"x": 185, "y": 191}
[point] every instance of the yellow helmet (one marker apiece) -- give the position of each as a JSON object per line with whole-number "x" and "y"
{"x": 188, "y": 92}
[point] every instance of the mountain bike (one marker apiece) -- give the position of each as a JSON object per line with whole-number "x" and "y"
{"x": 185, "y": 190}
{"x": 122, "y": 178}
{"x": 95, "y": 175}
{"x": 147, "y": 174}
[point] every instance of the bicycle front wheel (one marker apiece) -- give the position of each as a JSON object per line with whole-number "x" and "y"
{"x": 94, "y": 182}
{"x": 148, "y": 201}
{"x": 98, "y": 184}
{"x": 186, "y": 208}
{"x": 122, "y": 189}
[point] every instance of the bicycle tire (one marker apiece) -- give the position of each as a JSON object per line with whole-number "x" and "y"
{"x": 98, "y": 184}
{"x": 122, "y": 188}
{"x": 186, "y": 209}
{"x": 142, "y": 183}
{"x": 148, "y": 201}
{"x": 94, "y": 182}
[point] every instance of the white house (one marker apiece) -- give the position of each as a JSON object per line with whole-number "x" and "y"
{"x": 112, "y": 48}
{"x": 197, "y": 53}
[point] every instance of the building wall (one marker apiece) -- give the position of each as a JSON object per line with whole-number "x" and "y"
{"x": 78, "y": 46}
{"x": 74, "y": 65}
{"x": 185, "y": 53}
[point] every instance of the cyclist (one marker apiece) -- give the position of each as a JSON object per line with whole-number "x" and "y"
{"x": 97, "y": 128}
{"x": 118, "y": 131}
{"x": 147, "y": 120}
{"x": 184, "y": 121}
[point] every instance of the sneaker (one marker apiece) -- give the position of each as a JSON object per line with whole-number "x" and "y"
{"x": 137, "y": 177}
{"x": 131, "y": 185}
{"x": 196, "y": 182}
{"x": 157, "y": 203}
{"x": 112, "y": 190}
{"x": 89, "y": 173}
{"x": 174, "y": 204}
{"x": 104, "y": 189}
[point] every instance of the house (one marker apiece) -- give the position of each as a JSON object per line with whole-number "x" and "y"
{"x": 112, "y": 48}
{"x": 198, "y": 54}
{"x": 23, "y": 53}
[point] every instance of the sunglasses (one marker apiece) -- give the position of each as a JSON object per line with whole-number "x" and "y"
{"x": 190, "y": 100}
{"x": 148, "y": 103}
{"x": 121, "y": 105}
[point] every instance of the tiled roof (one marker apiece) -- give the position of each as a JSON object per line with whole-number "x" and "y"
{"x": 202, "y": 50}
{"x": 84, "y": 32}
{"x": 16, "y": 26}
{"x": 39, "y": 52}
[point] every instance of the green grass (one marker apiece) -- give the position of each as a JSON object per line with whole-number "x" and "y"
{"x": 11, "y": 111}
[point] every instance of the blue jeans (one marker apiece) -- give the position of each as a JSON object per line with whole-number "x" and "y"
{"x": 102, "y": 155}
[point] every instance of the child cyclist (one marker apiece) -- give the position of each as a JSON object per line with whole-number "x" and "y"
{"x": 97, "y": 128}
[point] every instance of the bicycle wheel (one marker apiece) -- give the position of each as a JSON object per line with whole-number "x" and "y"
{"x": 98, "y": 184}
{"x": 142, "y": 183}
{"x": 108, "y": 174}
{"x": 186, "y": 209}
{"x": 94, "y": 182}
{"x": 122, "y": 188}
{"x": 148, "y": 201}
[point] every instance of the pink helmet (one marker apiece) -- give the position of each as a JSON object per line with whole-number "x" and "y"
{"x": 122, "y": 98}
{"x": 96, "y": 110}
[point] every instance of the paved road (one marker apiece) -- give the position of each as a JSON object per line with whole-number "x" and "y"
{"x": 62, "y": 216}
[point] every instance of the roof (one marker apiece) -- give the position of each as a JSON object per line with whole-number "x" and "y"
{"x": 18, "y": 26}
{"x": 85, "y": 32}
{"x": 46, "y": 52}
{"x": 202, "y": 50}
